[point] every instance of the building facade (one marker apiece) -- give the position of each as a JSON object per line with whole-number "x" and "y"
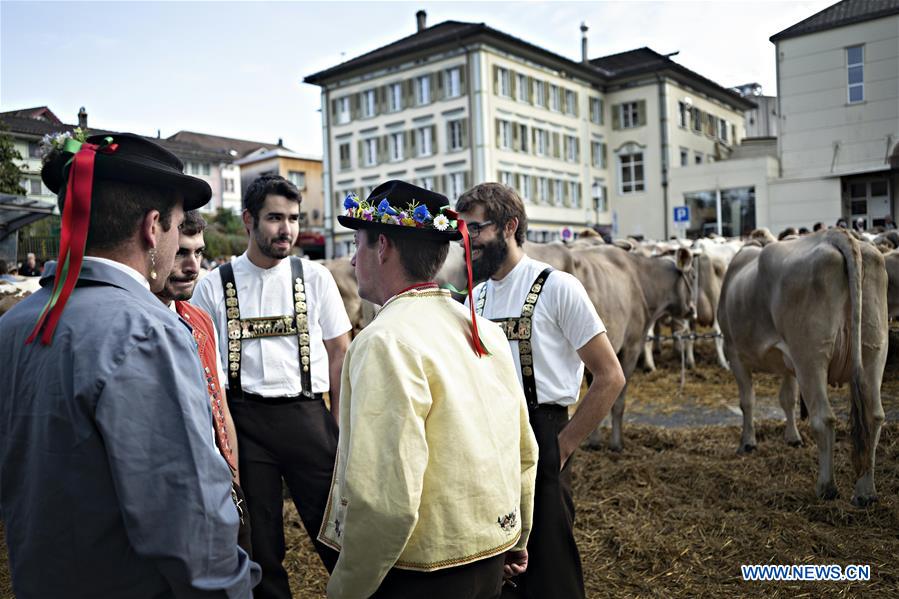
{"x": 838, "y": 90}
{"x": 589, "y": 143}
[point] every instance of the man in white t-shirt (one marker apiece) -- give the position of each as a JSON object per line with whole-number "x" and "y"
{"x": 554, "y": 331}
{"x": 283, "y": 333}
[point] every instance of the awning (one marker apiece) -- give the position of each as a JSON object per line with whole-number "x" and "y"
{"x": 18, "y": 211}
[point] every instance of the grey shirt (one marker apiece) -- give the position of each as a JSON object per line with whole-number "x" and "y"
{"x": 110, "y": 485}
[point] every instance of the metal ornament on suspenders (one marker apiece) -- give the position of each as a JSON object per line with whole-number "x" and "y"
{"x": 520, "y": 329}
{"x": 267, "y": 326}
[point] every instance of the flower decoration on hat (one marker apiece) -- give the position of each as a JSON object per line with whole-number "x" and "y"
{"x": 413, "y": 214}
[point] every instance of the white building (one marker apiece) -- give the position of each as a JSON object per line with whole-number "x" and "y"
{"x": 585, "y": 143}
{"x": 838, "y": 89}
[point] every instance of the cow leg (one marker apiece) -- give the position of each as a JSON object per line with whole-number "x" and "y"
{"x": 688, "y": 327}
{"x": 628, "y": 364}
{"x": 649, "y": 364}
{"x": 747, "y": 404}
{"x": 657, "y": 333}
{"x": 719, "y": 346}
{"x": 789, "y": 389}
{"x": 865, "y": 493}
{"x": 813, "y": 386}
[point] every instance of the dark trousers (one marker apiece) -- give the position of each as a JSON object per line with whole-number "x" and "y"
{"x": 554, "y": 564}
{"x": 478, "y": 580}
{"x": 296, "y": 442}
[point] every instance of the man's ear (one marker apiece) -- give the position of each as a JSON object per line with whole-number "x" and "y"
{"x": 247, "y": 221}
{"x": 383, "y": 248}
{"x": 511, "y": 227}
{"x": 150, "y": 228}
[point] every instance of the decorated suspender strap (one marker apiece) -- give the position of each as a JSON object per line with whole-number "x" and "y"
{"x": 519, "y": 329}
{"x": 277, "y": 326}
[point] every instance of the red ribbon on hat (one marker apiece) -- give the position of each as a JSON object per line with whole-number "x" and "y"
{"x": 466, "y": 240}
{"x": 76, "y": 216}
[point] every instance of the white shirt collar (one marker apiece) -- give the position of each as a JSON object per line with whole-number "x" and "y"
{"x": 262, "y": 272}
{"x": 123, "y": 268}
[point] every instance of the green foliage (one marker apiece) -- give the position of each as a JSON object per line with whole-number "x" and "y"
{"x": 10, "y": 173}
{"x": 228, "y": 222}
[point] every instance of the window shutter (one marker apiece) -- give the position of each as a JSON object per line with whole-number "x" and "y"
{"x": 516, "y": 137}
{"x": 576, "y": 99}
{"x": 498, "y": 136}
{"x": 434, "y": 139}
{"x": 551, "y": 196}
{"x": 616, "y": 116}
{"x": 333, "y": 111}
{"x": 546, "y": 88}
{"x": 556, "y": 150}
{"x": 356, "y": 106}
{"x": 442, "y": 85}
{"x": 466, "y": 181}
{"x": 383, "y": 148}
{"x": 516, "y": 182}
{"x": 604, "y": 154}
{"x": 495, "y": 80}
{"x": 381, "y": 95}
{"x": 410, "y": 143}
{"x": 577, "y": 149}
{"x": 463, "y": 81}
{"x": 464, "y": 125}
{"x": 361, "y": 152}
{"x": 530, "y": 90}
{"x": 432, "y": 85}
{"x": 408, "y": 93}
{"x": 641, "y": 112}
{"x": 602, "y": 106}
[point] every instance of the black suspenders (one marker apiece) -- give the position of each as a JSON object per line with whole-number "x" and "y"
{"x": 519, "y": 329}
{"x": 266, "y": 326}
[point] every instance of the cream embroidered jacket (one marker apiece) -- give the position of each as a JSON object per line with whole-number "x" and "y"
{"x": 436, "y": 459}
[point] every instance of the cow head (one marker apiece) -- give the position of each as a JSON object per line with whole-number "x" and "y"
{"x": 687, "y": 285}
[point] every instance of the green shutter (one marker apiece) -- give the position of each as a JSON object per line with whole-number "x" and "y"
{"x": 516, "y": 137}
{"x": 616, "y": 116}
{"x": 495, "y": 80}
{"x": 463, "y": 80}
{"x": 464, "y": 125}
{"x": 604, "y": 154}
{"x": 441, "y": 84}
{"x": 556, "y": 150}
{"x": 641, "y": 113}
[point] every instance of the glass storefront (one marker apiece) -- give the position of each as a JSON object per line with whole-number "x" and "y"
{"x": 737, "y": 216}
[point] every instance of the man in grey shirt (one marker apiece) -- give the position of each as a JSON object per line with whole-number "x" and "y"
{"x": 111, "y": 485}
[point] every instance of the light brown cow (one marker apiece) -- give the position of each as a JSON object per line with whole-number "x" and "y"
{"x": 630, "y": 291}
{"x": 801, "y": 309}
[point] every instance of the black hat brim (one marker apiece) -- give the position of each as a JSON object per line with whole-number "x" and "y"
{"x": 424, "y": 234}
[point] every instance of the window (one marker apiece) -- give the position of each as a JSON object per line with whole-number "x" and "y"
{"x": 540, "y": 93}
{"x": 571, "y": 148}
{"x": 555, "y": 99}
{"x": 558, "y": 192}
{"x": 344, "y": 151}
{"x": 525, "y": 190}
{"x": 454, "y": 135}
{"x": 521, "y": 89}
{"x": 395, "y": 97}
{"x": 504, "y": 134}
{"x": 456, "y": 185}
{"x": 542, "y": 190}
{"x": 396, "y": 146}
{"x": 228, "y": 185}
{"x": 684, "y": 157}
{"x": 697, "y": 120}
{"x": 298, "y": 178}
{"x": 574, "y": 194}
{"x": 570, "y": 102}
{"x": 682, "y": 111}
{"x": 34, "y": 149}
{"x": 505, "y": 177}
{"x": 368, "y": 103}
{"x": 342, "y": 110}
{"x": 855, "y": 66}
{"x": 35, "y": 186}
{"x": 722, "y": 129}
{"x": 423, "y": 141}
{"x": 503, "y": 82}
{"x": 630, "y": 115}
{"x": 541, "y": 139}
{"x": 423, "y": 90}
{"x": 630, "y": 171}
{"x": 598, "y": 154}
{"x": 596, "y": 111}
{"x": 426, "y": 183}
{"x": 369, "y": 152}
{"x": 523, "y": 137}
{"x": 697, "y": 157}
{"x": 453, "y": 83}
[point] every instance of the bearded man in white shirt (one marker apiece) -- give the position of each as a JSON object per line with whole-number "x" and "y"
{"x": 283, "y": 333}
{"x": 553, "y": 330}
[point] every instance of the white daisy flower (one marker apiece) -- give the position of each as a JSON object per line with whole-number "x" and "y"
{"x": 441, "y": 222}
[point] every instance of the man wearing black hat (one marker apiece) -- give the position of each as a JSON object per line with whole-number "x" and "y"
{"x": 283, "y": 332}
{"x": 434, "y": 482}
{"x": 110, "y": 480}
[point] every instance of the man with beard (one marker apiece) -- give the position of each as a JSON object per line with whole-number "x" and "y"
{"x": 554, "y": 331}
{"x": 177, "y": 291}
{"x": 283, "y": 333}
{"x": 110, "y": 481}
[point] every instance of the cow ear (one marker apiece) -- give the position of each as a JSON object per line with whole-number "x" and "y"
{"x": 684, "y": 259}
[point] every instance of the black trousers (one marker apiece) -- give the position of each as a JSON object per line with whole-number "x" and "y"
{"x": 478, "y": 580}
{"x": 554, "y": 563}
{"x": 296, "y": 442}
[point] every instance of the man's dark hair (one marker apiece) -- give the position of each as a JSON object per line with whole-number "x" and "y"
{"x": 118, "y": 207}
{"x": 501, "y": 204}
{"x": 264, "y": 186}
{"x": 788, "y": 232}
{"x": 421, "y": 259}
{"x": 804, "y": 231}
{"x": 193, "y": 224}
{"x": 817, "y": 226}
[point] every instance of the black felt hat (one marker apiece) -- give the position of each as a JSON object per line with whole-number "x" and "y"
{"x": 384, "y": 208}
{"x": 135, "y": 159}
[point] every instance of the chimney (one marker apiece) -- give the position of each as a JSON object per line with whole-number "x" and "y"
{"x": 280, "y": 142}
{"x": 421, "y": 17}
{"x": 159, "y": 134}
{"x": 584, "y": 29}
{"x": 82, "y": 118}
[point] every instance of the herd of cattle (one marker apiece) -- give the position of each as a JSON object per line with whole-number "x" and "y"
{"x": 812, "y": 309}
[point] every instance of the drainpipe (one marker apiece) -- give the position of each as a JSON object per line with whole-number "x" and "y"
{"x": 327, "y": 179}
{"x": 663, "y": 128}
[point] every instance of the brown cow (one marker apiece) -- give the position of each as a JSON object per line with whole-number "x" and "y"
{"x": 630, "y": 291}
{"x": 801, "y": 308}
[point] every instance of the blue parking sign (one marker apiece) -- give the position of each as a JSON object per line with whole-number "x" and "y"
{"x": 681, "y": 214}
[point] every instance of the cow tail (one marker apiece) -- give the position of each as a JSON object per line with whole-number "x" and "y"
{"x": 859, "y": 413}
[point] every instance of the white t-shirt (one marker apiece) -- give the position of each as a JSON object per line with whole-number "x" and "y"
{"x": 564, "y": 321}
{"x": 271, "y": 366}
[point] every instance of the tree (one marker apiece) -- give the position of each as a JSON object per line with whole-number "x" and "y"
{"x": 10, "y": 172}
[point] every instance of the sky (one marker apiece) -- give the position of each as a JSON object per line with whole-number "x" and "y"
{"x": 236, "y": 68}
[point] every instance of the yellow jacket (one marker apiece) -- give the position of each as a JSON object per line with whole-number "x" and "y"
{"x": 436, "y": 460}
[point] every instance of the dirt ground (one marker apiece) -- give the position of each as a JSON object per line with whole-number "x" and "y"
{"x": 678, "y": 511}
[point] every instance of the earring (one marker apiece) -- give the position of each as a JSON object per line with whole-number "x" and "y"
{"x": 153, "y": 274}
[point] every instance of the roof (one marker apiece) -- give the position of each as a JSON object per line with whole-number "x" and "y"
{"x": 602, "y": 70}
{"x": 646, "y": 60}
{"x": 445, "y": 33}
{"x": 265, "y": 154}
{"x": 219, "y": 143}
{"x": 847, "y": 12}
{"x": 41, "y": 113}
